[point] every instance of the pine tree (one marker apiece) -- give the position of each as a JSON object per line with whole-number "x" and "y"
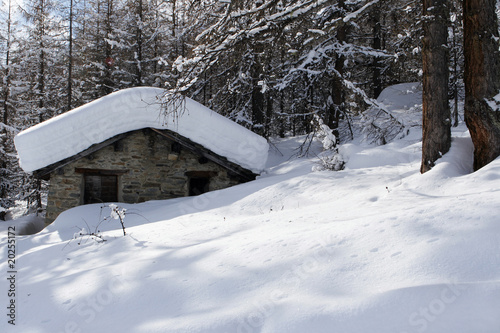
{"x": 436, "y": 139}
{"x": 138, "y": 38}
{"x": 10, "y": 91}
{"x": 97, "y": 60}
{"x": 70, "y": 55}
{"x": 482, "y": 79}
{"x": 455, "y": 42}
{"x": 343, "y": 52}
{"x": 234, "y": 56}
{"x": 41, "y": 63}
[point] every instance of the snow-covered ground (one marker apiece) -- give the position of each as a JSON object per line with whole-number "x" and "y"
{"x": 377, "y": 247}
{"x": 26, "y": 220}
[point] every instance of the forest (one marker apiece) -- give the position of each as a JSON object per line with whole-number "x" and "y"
{"x": 273, "y": 66}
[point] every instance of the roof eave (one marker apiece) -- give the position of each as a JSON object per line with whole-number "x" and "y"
{"x": 235, "y": 169}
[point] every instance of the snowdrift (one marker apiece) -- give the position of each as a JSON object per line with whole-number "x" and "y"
{"x": 374, "y": 248}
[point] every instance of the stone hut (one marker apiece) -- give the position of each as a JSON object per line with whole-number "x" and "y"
{"x": 140, "y": 158}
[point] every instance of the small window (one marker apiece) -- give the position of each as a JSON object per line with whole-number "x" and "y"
{"x": 198, "y": 186}
{"x": 175, "y": 148}
{"x": 100, "y": 188}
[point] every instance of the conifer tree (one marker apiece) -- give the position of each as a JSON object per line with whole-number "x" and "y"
{"x": 436, "y": 139}
{"x": 42, "y": 61}
{"x": 482, "y": 79}
{"x": 7, "y": 131}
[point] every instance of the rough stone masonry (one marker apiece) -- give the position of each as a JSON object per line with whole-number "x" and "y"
{"x": 147, "y": 168}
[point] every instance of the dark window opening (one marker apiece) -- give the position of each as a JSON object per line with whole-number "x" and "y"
{"x": 118, "y": 145}
{"x": 100, "y": 188}
{"x": 176, "y": 148}
{"x": 198, "y": 186}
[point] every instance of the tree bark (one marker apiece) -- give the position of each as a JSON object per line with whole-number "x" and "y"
{"x": 70, "y": 57}
{"x": 482, "y": 80}
{"x": 436, "y": 128}
{"x": 108, "y": 80}
{"x": 7, "y": 80}
{"x": 336, "y": 108}
{"x": 377, "y": 45}
{"x": 41, "y": 14}
{"x": 139, "y": 44}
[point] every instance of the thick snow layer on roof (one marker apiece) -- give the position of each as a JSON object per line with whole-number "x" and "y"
{"x": 132, "y": 109}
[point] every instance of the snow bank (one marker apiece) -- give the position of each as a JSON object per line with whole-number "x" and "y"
{"x": 132, "y": 109}
{"x": 29, "y": 225}
{"x": 375, "y": 248}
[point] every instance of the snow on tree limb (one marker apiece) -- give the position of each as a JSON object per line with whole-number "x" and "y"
{"x": 355, "y": 14}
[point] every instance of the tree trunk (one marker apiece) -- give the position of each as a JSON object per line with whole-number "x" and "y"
{"x": 436, "y": 127}
{"x": 6, "y": 79}
{"x": 108, "y": 80}
{"x": 336, "y": 109}
{"x": 257, "y": 104}
{"x": 482, "y": 80}
{"x": 41, "y": 61}
{"x": 377, "y": 45}
{"x": 4, "y": 136}
{"x": 456, "y": 50}
{"x": 70, "y": 57}
{"x": 139, "y": 41}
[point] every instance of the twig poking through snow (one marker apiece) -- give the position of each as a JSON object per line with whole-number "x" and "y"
{"x": 118, "y": 213}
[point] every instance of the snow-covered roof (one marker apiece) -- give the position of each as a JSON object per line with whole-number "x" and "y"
{"x": 132, "y": 109}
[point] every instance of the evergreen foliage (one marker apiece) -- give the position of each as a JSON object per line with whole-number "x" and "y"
{"x": 270, "y": 65}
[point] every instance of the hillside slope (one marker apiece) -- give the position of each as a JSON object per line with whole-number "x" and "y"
{"x": 374, "y": 248}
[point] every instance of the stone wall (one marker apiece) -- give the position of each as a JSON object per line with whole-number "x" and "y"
{"x": 147, "y": 169}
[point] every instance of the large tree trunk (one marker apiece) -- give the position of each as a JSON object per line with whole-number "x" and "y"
{"x": 436, "y": 139}
{"x": 482, "y": 80}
